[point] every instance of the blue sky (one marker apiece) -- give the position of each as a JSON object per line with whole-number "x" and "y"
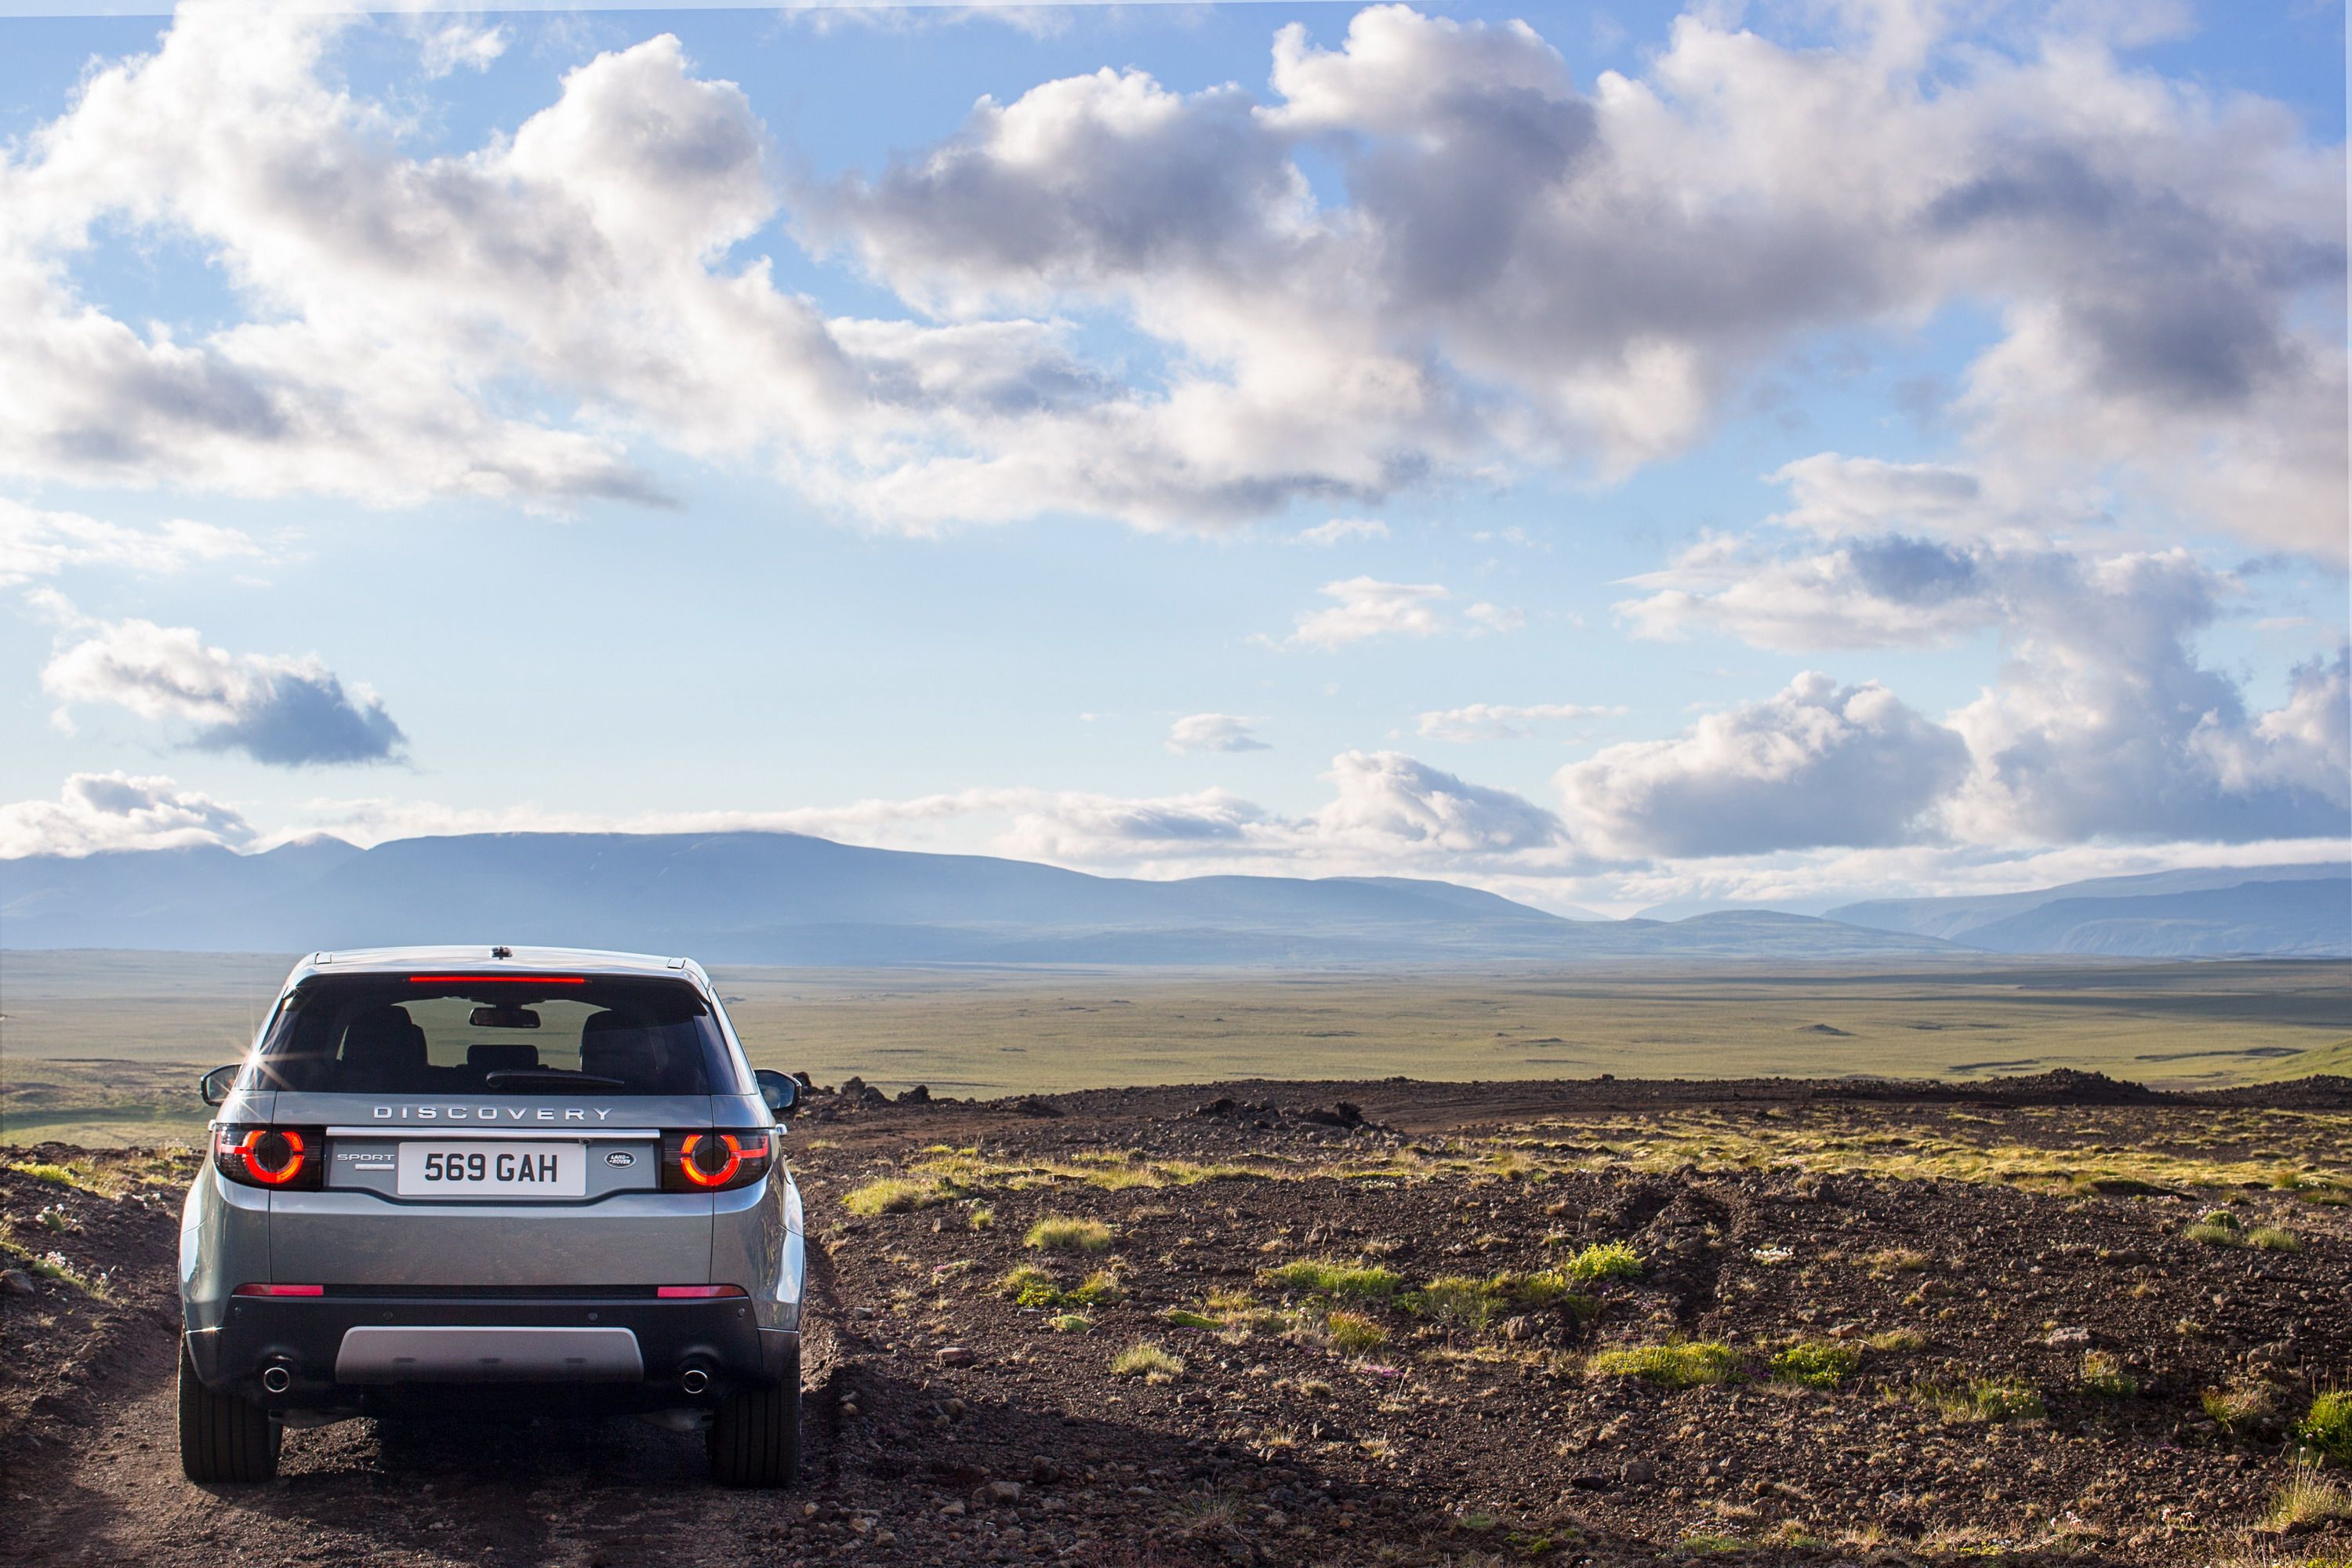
{"x": 1795, "y": 452}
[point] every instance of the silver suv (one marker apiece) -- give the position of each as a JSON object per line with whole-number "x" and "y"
{"x": 457, "y": 1178}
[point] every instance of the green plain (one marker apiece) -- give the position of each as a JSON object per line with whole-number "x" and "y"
{"x": 103, "y": 1046}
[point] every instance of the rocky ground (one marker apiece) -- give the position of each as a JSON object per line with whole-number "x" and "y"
{"x": 2056, "y": 1320}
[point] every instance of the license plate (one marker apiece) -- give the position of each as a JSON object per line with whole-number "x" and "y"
{"x": 482, "y": 1169}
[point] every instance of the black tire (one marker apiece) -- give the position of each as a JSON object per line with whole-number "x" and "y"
{"x": 223, "y": 1439}
{"x": 755, "y": 1436}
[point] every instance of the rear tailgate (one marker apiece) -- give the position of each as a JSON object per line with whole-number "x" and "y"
{"x": 380, "y": 1222}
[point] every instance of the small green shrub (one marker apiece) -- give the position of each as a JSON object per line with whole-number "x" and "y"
{"x": 55, "y": 1174}
{"x": 1030, "y": 1285}
{"x": 1816, "y": 1363}
{"x": 2232, "y": 1408}
{"x": 1185, "y": 1318}
{"x": 1605, "y": 1261}
{"x": 2272, "y": 1238}
{"x": 2329, "y": 1425}
{"x": 1148, "y": 1362}
{"x": 1069, "y": 1323}
{"x": 1321, "y": 1277}
{"x": 2103, "y": 1373}
{"x": 1683, "y": 1366}
{"x": 1063, "y": 1233}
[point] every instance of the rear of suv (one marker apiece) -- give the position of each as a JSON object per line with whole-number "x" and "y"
{"x": 447, "y": 1181}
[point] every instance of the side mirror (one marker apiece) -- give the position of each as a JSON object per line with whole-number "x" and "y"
{"x": 214, "y": 1085}
{"x": 779, "y": 1090}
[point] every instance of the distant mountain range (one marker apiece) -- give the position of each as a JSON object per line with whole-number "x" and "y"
{"x": 2280, "y": 911}
{"x": 775, "y": 898}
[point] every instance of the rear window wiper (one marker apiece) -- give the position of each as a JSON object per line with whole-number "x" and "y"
{"x": 556, "y": 1076}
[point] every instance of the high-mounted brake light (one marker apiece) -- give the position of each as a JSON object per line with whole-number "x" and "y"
{"x": 291, "y": 1158}
{"x": 498, "y": 980}
{"x": 714, "y": 1160}
{"x": 281, "y": 1290}
{"x": 695, "y": 1292}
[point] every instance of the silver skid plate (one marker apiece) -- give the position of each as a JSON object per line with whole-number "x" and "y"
{"x": 459, "y": 1354}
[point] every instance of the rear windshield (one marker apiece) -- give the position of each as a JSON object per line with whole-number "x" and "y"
{"x": 398, "y": 1034}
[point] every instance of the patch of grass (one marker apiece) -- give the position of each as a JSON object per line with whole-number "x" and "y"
{"x": 1100, "y": 1289}
{"x": 1705, "y": 1543}
{"x": 1352, "y": 1334}
{"x": 2232, "y": 1409}
{"x": 1455, "y": 1301}
{"x": 1322, "y": 1276}
{"x": 1185, "y": 1318}
{"x": 2103, "y": 1373}
{"x": 1816, "y": 1363}
{"x": 1899, "y": 1342}
{"x": 1149, "y": 1362}
{"x": 1604, "y": 1261}
{"x": 1986, "y": 1399}
{"x": 1680, "y": 1366}
{"x": 2328, "y": 1426}
{"x": 1898, "y": 1261}
{"x": 2273, "y": 1239}
{"x": 1064, "y": 1232}
{"x": 2307, "y": 1501}
{"x": 1030, "y": 1285}
{"x": 980, "y": 1216}
{"x": 2217, "y": 1227}
{"x": 46, "y": 1171}
{"x": 892, "y": 1195}
{"x": 1069, "y": 1323}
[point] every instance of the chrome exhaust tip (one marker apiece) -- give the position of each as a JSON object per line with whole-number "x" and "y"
{"x": 275, "y": 1380}
{"x": 694, "y": 1380}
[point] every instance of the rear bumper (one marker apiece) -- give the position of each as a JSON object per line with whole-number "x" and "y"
{"x": 357, "y": 1349}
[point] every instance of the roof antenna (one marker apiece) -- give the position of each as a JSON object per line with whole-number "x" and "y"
{"x": 502, "y": 952}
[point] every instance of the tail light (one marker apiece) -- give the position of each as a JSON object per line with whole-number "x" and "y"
{"x": 292, "y": 1159}
{"x": 712, "y": 1161}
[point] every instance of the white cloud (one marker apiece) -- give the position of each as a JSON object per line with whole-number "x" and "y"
{"x": 1519, "y": 273}
{"x": 1213, "y": 732}
{"x": 1369, "y": 608}
{"x": 1341, "y": 529}
{"x": 289, "y": 713}
{"x": 1883, "y": 590}
{"x": 1837, "y": 495}
{"x": 1486, "y": 617}
{"x": 44, "y": 544}
{"x": 117, "y": 810}
{"x": 1592, "y": 273}
{"x": 461, "y": 46}
{"x": 1815, "y": 764}
{"x": 1386, "y": 801}
{"x": 1505, "y": 721}
{"x": 2102, "y": 722}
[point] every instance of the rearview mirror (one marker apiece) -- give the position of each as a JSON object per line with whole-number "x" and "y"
{"x": 779, "y": 1090}
{"x": 503, "y": 1018}
{"x": 214, "y": 1085}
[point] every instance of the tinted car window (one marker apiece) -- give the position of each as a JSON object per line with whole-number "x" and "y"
{"x": 395, "y": 1035}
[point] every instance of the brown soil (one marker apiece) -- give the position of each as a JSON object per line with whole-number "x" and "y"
{"x": 947, "y": 1424}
